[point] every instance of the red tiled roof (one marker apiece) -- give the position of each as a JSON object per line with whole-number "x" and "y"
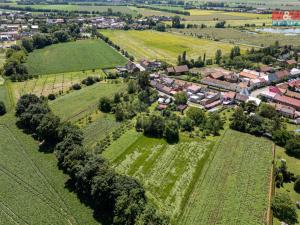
{"x": 282, "y": 74}
{"x": 291, "y": 62}
{"x": 288, "y": 101}
{"x": 247, "y": 75}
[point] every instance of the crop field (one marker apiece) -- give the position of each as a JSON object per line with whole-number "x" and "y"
{"x": 166, "y": 171}
{"x": 231, "y": 23}
{"x": 149, "y": 12}
{"x": 73, "y": 56}
{"x": 206, "y": 15}
{"x": 234, "y": 187}
{"x": 79, "y": 104}
{"x": 32, "y": 187}
{"x": 164, "y": 46}
{"x": 52, "y": 83}
{"x": 236, "y": 36}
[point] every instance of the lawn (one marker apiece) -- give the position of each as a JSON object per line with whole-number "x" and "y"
{"x": 78, "y": 104}
{"x": 163, "y": 45}
{"x": 233, "y": 189}
{"x": 52, "y": 83}
{"x": 32, "y": 188}
{"x": 73, "y": 56}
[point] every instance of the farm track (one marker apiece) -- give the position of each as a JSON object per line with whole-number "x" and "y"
{"x": 11, "y": 214}
{"x": 41, "y": 175}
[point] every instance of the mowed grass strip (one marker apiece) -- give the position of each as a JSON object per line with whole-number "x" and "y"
{"x": 163, "y": 45}
{"x": 233, "y": 187}
{"x": 73, "y": 56}
{"x": 85, "y": 100}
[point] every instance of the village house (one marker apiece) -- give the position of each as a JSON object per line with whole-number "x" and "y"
{"x": 150, "y": 65}
{"x": 219, "y": 84}
{"x": 288, "y": 101}
{"x": 228, "y": 97}
{"x": 241, "y": 98}
{"x": 193, "y": 89}
{"x": 285, "y": 111}
{"x": 295, "y": 85}
{"x": 279, "y": 76}
{"x": 177, "y": 70}
{"x": 267, "y": 94}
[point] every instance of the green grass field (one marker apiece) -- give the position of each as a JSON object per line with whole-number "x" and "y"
{"x": 163, "y": 45}
{"x": 73, "y": 56}
{"x": 52, "y": 83}
{"x": 78, "y": 104}
{"x": 233, "y": 189}
{"x": 32, "y": 188}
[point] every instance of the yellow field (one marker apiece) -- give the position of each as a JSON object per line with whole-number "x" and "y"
{"x": 164, "y": 46}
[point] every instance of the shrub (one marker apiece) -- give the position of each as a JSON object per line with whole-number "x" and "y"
{"x": 51, "y": 97}
{"x": 2, "y": 108}
{"x": 105, "y": 104}
{"x": 76, "y": 87}
{"x": 284, "y": 209}
{"x": 293, "y": 147}
{"x": 297, "y": 185}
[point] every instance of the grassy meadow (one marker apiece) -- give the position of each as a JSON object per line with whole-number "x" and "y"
{"x": 163, "y": 45}
{"x": 73, "y": 56}
{"x": 79, "y": 104}
{"x": 32, "y": 188}
{"x": 59, "y": 83}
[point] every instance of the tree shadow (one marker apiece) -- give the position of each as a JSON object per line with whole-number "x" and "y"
{"x": 100, "y": 213}
{"x": 46, "y": 147}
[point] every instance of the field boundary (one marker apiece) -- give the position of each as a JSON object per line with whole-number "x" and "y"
{"x": 271, "y": 189}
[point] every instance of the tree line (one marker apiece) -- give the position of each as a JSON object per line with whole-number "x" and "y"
{"x": 265, "y": 120}
{"x": 121, "y": 197}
